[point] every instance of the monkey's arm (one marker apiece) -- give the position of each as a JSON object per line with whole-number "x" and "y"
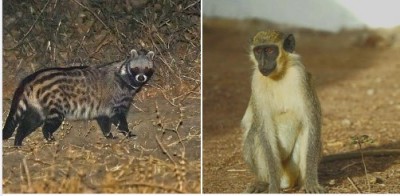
{"x": 354, "y": 155}
{"x": 312, "y": 127}
{"x": 247, "y": 119}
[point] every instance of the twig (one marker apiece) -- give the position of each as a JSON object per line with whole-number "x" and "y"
{"x": 165, "y": 150}
{"x": 165, "y": 96}
{"x": 30, "y": 29}
{"x": 190, "y": 92}
{"x": 349, "y": 165}
{"x": 191, "y": 5}
{"x": 355, "y": 155}
{"x": 177, "y": 127}
{"x": 158, "y": 116}
{"x": 352, "y": 183}
{"x": 236, "y": 170}
{"x": 187, "y": 138}
{"x": 365, "y": 170}
{"x": 144, "y": 184}
{"x": 94, "y": 14}
{"x": 104, "y": 41}
{"x": 137, "y": 108}
{"x": 28, "y": 176}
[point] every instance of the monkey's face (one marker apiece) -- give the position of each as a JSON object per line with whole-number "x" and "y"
{"x": 266, "y": 57}
{"x": 270, "y": 52}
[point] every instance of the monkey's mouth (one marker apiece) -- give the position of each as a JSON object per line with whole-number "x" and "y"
{"x": 265, "y": 71}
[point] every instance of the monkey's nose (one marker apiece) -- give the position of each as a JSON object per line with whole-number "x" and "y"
{"x": 141, "y": 78}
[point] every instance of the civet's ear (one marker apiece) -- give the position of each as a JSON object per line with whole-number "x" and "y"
{"x": 289, "y": 43}
{"x": 150, "y": 55}
{"x": 134, "y": 53}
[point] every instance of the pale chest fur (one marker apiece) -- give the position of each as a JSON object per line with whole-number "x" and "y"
{"x": 285, "y": 95}
{"x": 281, "y": 105}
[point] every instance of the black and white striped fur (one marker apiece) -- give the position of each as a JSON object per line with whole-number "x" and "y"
{"x": 104, "y": 93}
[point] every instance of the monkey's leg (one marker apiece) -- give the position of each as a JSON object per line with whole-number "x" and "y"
{"x": 250, "y": 156}
{"x": 291, "y": 171}
{"x": 29, "y": 123}
{"x": 50, "y": 126}
{"x": 309, "y": 159}
{"x": 120, "y": 121}
{"x": 105, "y": 126}
{"x": 269, "y": 156}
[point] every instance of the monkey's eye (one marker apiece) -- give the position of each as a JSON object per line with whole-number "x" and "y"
{"x": 258, "y": 50}
{"x": 269, "y": 51}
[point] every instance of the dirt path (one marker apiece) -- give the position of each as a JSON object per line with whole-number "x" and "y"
{"x": 358, "y": 88}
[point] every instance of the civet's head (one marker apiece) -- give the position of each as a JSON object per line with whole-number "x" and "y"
{"x": 139, "y": 67}
{"x": 269, "y": 51}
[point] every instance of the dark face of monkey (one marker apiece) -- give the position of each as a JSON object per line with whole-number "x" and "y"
{"x": 267, "y": 54}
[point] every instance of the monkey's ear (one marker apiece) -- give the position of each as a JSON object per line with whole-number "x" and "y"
{"x": 150, "y": 55}
{"x": 289, "y": 43}
{"x": 133, "y": 53}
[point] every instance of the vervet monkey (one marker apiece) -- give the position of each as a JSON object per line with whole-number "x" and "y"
{"x": 282, "y": 123}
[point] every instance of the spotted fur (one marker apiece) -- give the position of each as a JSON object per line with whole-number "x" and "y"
{"x": 104, "y": 93}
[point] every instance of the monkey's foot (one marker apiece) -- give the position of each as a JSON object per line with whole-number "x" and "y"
{"x": 257, "y": 187}
{"x": 314, "y": 189}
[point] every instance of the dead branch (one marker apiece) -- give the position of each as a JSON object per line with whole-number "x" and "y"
{"x": 354, "y": 155}
{"x": 165, "y": 150}
{"x": 30, "y": 29}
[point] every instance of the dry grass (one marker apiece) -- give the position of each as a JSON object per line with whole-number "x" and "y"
{"x": 47, "y": 34}
{"x": 75, "y": 169}
{"x": 60, "y": 33}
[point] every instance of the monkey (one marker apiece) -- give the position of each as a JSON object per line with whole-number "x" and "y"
{"x": 103, "y": 93}
{"x": 282, "y": 123}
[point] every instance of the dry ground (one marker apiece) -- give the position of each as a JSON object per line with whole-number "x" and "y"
{"x": 357, "y": 80}
{"x": 165, "y": 115}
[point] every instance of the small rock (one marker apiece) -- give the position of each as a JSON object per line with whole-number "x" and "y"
{"x": 346, "y": 122}
{"x": 370, "y": 92}
{"x": 335, "y": 144}
{"x": 375, "y": 180}
{"x": 332, "y": 182}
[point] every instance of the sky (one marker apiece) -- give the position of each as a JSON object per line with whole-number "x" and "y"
{"x": 330, "y": 15}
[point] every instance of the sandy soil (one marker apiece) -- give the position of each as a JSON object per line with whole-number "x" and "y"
{"x": 356, "y": 76}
